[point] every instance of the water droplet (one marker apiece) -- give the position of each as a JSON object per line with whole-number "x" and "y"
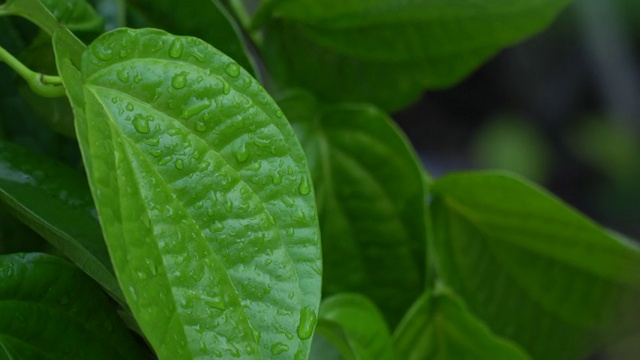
{"x": 101, "y": 53}
{"x": 114, "y": 100}
{"x": 304, "y": 186}
{"x": 279, "y": 114}
{"x": 195, "y": 109}
{"x": 141, "y": 124}
{"x": 226, "y": 89}
{"x": 159, "y": 44}
{"x": 232, "y": 69}
{"x": 176, "y": 48}
{"x": 129, "y": 107}
{"x": 179, "y": 164}
{"x": 165, "y": 161}
{"x": 308, "y": 319}
{"x": 241, "y": 154}
{"x": 200, "y": 126}
{"x": 153, "y": 142}
{"x": 137, "y": 79}
{"x": 123, "y": 75}
{"x": 179, "y": 81}
{"x": 278, "y": 348}
{"x": 276, "y": 178}
{"x": 210, "y": 212}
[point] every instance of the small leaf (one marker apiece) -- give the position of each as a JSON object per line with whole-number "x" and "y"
{"x": 531, "y": 268}
{"x": 55, "y": 201}
{"x": 438, "y": 326}
{"x": 371, "y": 201}
{"x": 51, "y": 310}
{"x": 387, "y": 51}
{"x": 355, "y": 326}
{"x": 205, "y": 19}
{"x": 197, "y": 178}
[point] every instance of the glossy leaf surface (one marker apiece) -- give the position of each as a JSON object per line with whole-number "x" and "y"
{"x": 387, "y": 51}
{"x": 370, "y": 201}
{"x": 51, "y": 310}
{"x": 531, "y": 268}
{"x": 205, "y": 19}
{"x": 204, "y": 197}
{"x": 56, "y": 202}
{"x": 355, "y": 326}
{"x": 438, "y": 326}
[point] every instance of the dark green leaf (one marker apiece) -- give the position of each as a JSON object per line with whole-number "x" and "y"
{"x": 370, "y": 201}
{"x": 355, "y": 326}
{"x": 76, "y": 15}
{"x": 205, "y": 19}
{"x": 55, "y": 201}
{"x": 438, "y": 326}
{"x": 387, "y": 51}
{"x": 204, "y": 198}
{"x": 51, "y": 310}
{"x": 531, "y": 268}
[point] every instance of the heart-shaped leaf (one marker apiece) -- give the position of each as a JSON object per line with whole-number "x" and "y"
{"x": 439, "y": 326}
{"x": 371, "y": 201}
{"x": 51, "y": 310}
{"x": 534, "y": 270}
{"x": 204, "y": 197}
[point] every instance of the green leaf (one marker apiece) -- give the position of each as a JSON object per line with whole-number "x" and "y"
{"x": 387, "y": 51}
{"x": 76, "y": 15}
{"x": 355, "y": 326}
{"x": 204, "y": 197}
{"x": 439, "y": 326}
{"x": 56, "y": 202}
{"x": 371, "y": 216}
{"x": 51, "y": 310}
{"x": 531, "y": 268}
{"x": 205, "y": 19}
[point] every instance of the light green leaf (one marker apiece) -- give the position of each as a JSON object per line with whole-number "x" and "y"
{"x": 76, "y": 15}
{"x": 51, "y": 310}
{"x": 439, "y": 326}
{"x": 387, "y": 51}
{"x": 370, "y": 201}
{"x": 355, "y": 326}
{"x": 531, "y": 268}
{"x": 55, "y": 201}
{"x": 204, "y": 197}
{"x": 205, "y": 19}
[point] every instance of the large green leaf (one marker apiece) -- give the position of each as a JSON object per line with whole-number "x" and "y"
{"x": 76, "y": 15}
{"x": 387, "y": 51}
{"x": 531, "y": 268}
{"x": 370, "y": 201}
{"x": 355, "y": 326}
{"x": 439, "y": 326}
{"x": 204, "y": 197}
{"x": 51, "y": 310}
{"x": 205, "y": 19}
{"x": 56, "y": 202}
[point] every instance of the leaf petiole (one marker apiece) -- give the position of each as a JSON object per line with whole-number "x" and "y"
{"x": 44, "y": 85}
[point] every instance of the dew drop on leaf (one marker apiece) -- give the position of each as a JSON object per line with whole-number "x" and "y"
{"x": 226, "y": 89}
{"x": 179, "y": 81}
{"x": 308, "y": 319}
{"x": 278, "y": 348}
{"x": 200, "y": 126}
{"x": 241, "y": 154}
{"x": 141, "y": 124}
{"x": 176, "y": 48}
{"x": 129, "y": 107}
{"x": 232, "y": 69}
{"x": 179, "y": 164}
{"x": 304, "y": 186}
{"x": 279, "y": 114}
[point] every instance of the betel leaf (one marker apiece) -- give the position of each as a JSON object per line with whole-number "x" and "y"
{"x": 534, "y": 270}
{"x": 55, "y": 201}
{"x": 439, "y": 326}
{"x": 371, "y": 201}
{"x": 387, "y": 51}
{"x": 355, "y": 326}
{"x": 204, "y": 197}
{"x": 51, "y": 310}
{"x": 205, "y": 19}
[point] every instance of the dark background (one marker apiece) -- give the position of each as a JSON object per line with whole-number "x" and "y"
{"x": 562, "y": 109}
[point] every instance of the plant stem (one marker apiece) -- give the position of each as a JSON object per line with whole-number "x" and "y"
{"x": 33, "y": 11}
{"x": 44, "y": 85}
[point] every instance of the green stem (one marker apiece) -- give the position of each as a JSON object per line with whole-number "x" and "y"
{"x": 44, "y": 85}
